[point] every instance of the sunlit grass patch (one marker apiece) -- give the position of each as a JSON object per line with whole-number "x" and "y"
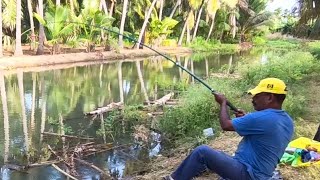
{"x": 202, "y": 45}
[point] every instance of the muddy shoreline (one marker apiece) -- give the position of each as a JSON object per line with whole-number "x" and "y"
{"x": 28, "y": 63}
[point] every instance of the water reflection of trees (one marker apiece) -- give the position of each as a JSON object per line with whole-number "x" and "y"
{"x": 59, "y": 98}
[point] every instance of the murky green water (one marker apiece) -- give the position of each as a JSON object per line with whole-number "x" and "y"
{"x": 55, "y": 101}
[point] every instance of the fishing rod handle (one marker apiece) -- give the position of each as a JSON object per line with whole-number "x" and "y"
{"x": 231, "y": 106}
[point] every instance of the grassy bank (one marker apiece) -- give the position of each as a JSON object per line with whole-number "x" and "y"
{"x": 201, "y": 45}
{"x": 198, "y": 110}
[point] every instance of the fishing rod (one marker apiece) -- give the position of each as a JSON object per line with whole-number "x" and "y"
{"x": 231, "y": 106}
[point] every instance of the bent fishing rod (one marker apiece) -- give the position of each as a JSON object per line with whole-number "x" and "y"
{"x": 231, "y": 106}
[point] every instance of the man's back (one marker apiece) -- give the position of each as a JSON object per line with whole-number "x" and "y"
{"x": 266, "y": 134}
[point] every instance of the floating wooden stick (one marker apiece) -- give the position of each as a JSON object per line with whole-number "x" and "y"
{"x": 112, "y": 106}
{"x": 63, "y": 172}
{"x": 67, "y": 136}
{"x": 164, "y": 99}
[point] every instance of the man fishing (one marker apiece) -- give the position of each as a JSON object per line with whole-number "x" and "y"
{"x": 266, "y": 133}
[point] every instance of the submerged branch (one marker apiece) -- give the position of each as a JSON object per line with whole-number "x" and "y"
{"x": 93, "y": 167}
{"x": 63, "y": 172}
{"x": 67, "y": 136}
{"x": 110, "y": 107}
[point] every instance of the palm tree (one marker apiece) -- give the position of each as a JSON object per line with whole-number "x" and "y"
{"x": 1, "y": 52}
{"x": 40, "y": 49}
{"x": 212, "y": 7}
{"x": 18, "y": 50}
{"x": 103, "y": 6}
{"x": 57, "y": 2}
{"x": 198, "y": 19}
{"x": 189, "y": 23}
{"x": 309, "y": 11}
{"x": 123, "y": 20}
{"x": 161, "y": 9}
{"x": 178, "y": 3}
{"x": 33, "y": 40}
{"x": 112, "y": 7}
{"x": 146, "y": 20}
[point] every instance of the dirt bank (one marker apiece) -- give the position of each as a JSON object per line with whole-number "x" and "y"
{"x": 27, "y": 62}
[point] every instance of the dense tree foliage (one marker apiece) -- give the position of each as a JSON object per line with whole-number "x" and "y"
{"x": 82, "y": 23}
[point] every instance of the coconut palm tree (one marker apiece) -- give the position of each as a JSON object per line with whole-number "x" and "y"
{"x": 123, "y": 20}
{"x": 212, "y": 7}
{"x": 146, "y": 20}
{"x": 33, "y": 40}
{"x": 40, "y": 49}
{"x": 161, "y": 9}
{"x": 178, "y": 3}
{"x": 309, "y": 11}
{"x": 198, "y": 19}
{"x": 189, "y": 23}
{"x": 103, "y": 6}
{"x": 18, "y": 49}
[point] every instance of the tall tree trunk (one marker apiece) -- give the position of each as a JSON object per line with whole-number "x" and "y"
{"x": 18, "y": 50}
{"x": 5, "y": 117}
{"x": 123, "y": 20}
{"x": 57, "y": 2}
{"x": 161, "y": 9}
{"x": 33, "y": 39}
{"x": 103, "y": 6}
{"x": 175, "y": 8}
{"x": 183, "y": 30}
{"x": 232, "y": 22}
{"x": 145, "y": 22}
{"x": 112, "y": 7}
{"x": 1, "y": 51}
{"x": 71, "y": 7}
{"x": 23, "y": 111}
{"x": 197, "y": 23}
{"x": 211, "y": 28}
{"x": 40, "y": 49}
{"x": 188, "y": 35}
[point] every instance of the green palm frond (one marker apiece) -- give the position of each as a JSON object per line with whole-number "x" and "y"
{"x": 195, "y": 4}
{"x": 9, "y": 14}
{"x": 212, "y": 7}
{"x": 230, "y": 3}
{"x": 257, "y": 21}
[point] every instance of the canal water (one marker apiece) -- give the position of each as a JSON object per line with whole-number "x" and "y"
{"x": 55, "y": 101}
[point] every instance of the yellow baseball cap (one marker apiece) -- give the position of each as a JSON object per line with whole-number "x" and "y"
{"x": 269, "y": 85}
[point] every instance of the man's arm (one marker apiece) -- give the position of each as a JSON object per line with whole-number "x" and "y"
{"x": 225, "y": 121}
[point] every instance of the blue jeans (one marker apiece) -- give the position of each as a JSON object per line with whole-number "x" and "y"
{"x": 204, "y": 157}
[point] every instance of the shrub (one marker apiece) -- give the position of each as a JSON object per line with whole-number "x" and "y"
{"x": 291, "y": 67}
{"x": 259, "y": 41}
